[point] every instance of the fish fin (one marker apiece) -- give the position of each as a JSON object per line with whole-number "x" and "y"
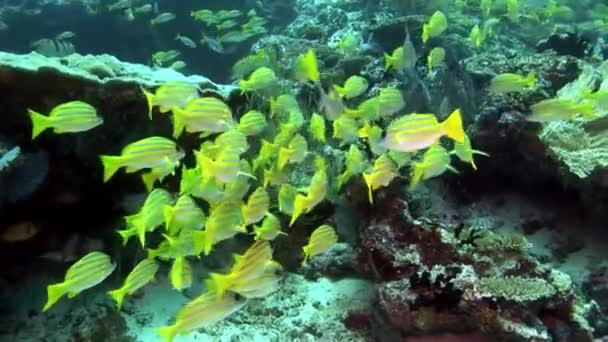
{"x": 217, "y": 283}
{"x": 149, "y": 179}
{"x": 452, "y": 126}
{"x": 340, "y": 90}
{"x": 244, "y": 85}
{"x": 299, "y": 205}
{"x": 149, "y": 100}
{"x": 168, "y": 216}
{"x": 249, "y": 175}
{"x": 284, "y": 154}
{"x": 125, "y": 235}
{"x": 587, "y": 109}
{"x": 453, "y": 169}
{"x": 141, "y": 234}
{"x": 203, "y": 243}
{"x": 152, "y": 253}
{"x": 118, "y": 295}
{"x": 178, "y": 121}
{"x": 480, "y": 153}
{"x": 54, "y": 292}
{"x": 206, "y": 164}
{"x": 416, "y": 175}
{"x": 388, "y": 61}
{"x": 167, "y": 333}
{"x": 530, "y": 80}
{"x": 426, "y": 28}
{"x": 368, "y": 181}
{"x": 39, "y": 122}
{"x": 111, "y": 164}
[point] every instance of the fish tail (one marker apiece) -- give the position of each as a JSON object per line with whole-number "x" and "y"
{"x": 273, "y": 106}
{"x": 54, "y": 292}
{"x": 586, "y": 108}
{"x": 388, "y": 61}
{"x": 152, "y": 253}
{"x": 118, "y": 296}
{"x": 417, "y": 175}
{"x": 178, "y": 121}
{"x": 426, "y": 28}
{"x": 452, "y": 126}
{"x": 283, "y": 158}
{"x": 244, "y": 212}
{"x": 217, "y": 283}
{"x": 150, "y": 100}
{"x": 531, "y": 79}
{"x": 167, "y": 333}
{"x": 299, "y": 205}
{"x": 168, "y": 216}
{"x": 207, "y": 164}
{"x": 111, "y": 164}
{"x": 39, "y": 122}
{"x": 125, "y": 234}
{"x": 340, "y": 90}
{"x": 141, "y": 233}
{"x": 203, "y": 243}
{"x": 368, "y": 181}
{"x": 149, "y": 179}
{"x": 244, "y": 85}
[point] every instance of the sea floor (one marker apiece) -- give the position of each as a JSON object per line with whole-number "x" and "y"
{"x": 301, "y": 310}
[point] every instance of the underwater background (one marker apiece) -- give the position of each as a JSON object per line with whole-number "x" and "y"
{"x": 303, "y": 170}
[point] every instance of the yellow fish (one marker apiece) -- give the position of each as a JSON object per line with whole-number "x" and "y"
{"x": 256, "y": 207}
{"x": 204, "y": 311}
{"x": 85, "y": 273}
{"x": 294, "y": 153}
{"x": 436, "y": 160}
{"x": 247, "y": 267}
{"x": 307, "y": 67}
{"x": 389, "y": 101}
{"x": 316, "y": 127}
{"x": 206, "y": 114}
{"x": 146, "y": 153}
{"x": 353, "y": 87}
{"x": 286, "y": 197}
{"x": 559, "y": 109}
{"x": 435, "y": 27}
{"x": 141, "y": 275}
{"x": 180, "y": 273}
{"x": 184, "y": 215}
{"x": 435, "y": 58}
{"x": 224, "y": 169}
{"x": 148, "y": 218}
{"x": 252, "y": 123}
{"x": 70, "y": 117}
{"x": 383, "y": 172}
{"x": 476, "y": 36}
{"x": 321, "y": 240}
{"x": 270, "y": 228}
{"x": 283, "y": 105}
{"x": 355, "y": 164}
{"x": 507, "y": 82}
{"x": 224, "y": 222}
{"x": 171, "y": 94}
{"x": 315, "y": 193}
{"x": 346, "y": 129}
{"x": 414, "y": 132}
{"x": 261, "y": 78}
